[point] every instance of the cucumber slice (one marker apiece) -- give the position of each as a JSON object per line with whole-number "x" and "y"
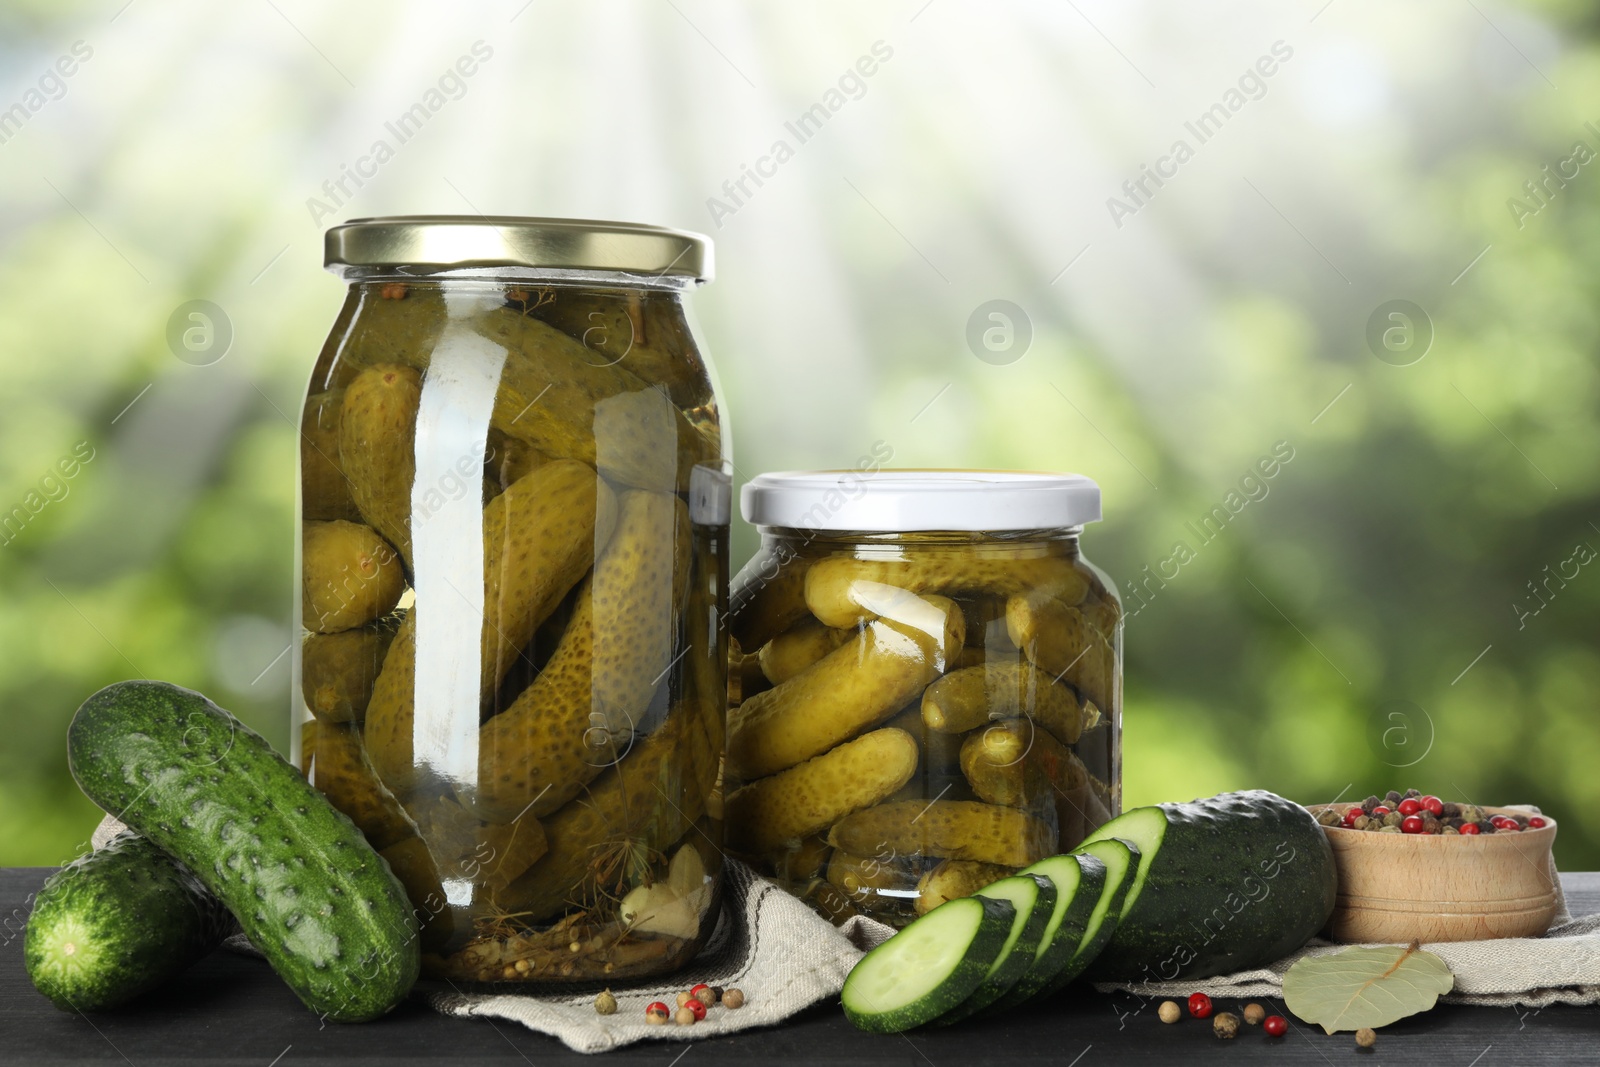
{"x": 1079, "y": 882}
{"x": 1120, "y": 859}
{"x": 1144, "y": 829}
{"x": 929, "y": 967}
{"x": 1034, "y": 898}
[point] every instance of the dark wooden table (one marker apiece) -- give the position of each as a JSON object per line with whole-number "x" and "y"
{"x": 230, "y": 1009}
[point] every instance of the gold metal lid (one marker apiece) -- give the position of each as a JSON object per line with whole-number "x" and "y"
{"x": 446, "y": 242}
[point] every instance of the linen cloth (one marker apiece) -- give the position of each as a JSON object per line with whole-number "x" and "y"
{"x": 780, "y": 954}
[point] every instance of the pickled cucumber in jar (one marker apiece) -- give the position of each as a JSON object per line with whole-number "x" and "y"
{"x": 875, "y": 770}
{"x": 514, "y": 670}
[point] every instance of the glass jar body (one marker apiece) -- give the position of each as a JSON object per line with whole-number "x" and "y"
{"x": 917, "y": 714}
{"x": 514, "y": 505}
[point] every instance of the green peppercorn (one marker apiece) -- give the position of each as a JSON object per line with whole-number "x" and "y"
{"x": 1328, "y": 817}
{"x": 1394, "y": 819}
{"x": 1389, "y": 830}
{"x": 1471, "y": 813}
{"x": 1450, "y": 830}
{"x": 1361, "y": 822}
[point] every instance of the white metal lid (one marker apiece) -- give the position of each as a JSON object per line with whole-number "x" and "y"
{"x": 896, "y": 501}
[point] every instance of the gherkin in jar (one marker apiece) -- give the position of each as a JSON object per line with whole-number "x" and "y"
{"x": 936, "y": 699}
{"x": 513, "y": 677}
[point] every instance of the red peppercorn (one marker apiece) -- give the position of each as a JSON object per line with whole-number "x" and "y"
{"x": 1409, "y": 806}
{"x": 697, "y": 1006}
{"x": 1200, "y": 1004}
{"x": 1536, "y": 823}
{"x": 1275, "y": 1025}
{"x": 1381, "y": 809}
{"x": 1470, "y": 828}
{"x": 1501, "y": 822}
{"x": 657, "y": 1012}
{"x": 1433, "y": 804}
{"x": 1411, "y": 824}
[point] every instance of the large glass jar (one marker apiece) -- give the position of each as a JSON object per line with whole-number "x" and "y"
{"x": 514, "y": 498}
{"x": 929, "y": 684}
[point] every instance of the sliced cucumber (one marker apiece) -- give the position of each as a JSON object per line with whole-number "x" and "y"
{"x": 929, "y": 967}
{"x": 1144, "y": 829}
{"x": 1034, "y": 898}
{"x": 1120, "y": 859}
{"x": 1079, "y": 882}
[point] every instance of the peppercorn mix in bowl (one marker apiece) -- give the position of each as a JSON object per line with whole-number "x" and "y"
{"x": 1414, "y": 867}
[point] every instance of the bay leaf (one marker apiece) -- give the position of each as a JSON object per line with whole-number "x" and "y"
{"x": 1365, "y": 986}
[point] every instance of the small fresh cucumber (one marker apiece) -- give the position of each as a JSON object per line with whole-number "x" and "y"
{"x": 1078, "y": 882}
{"x": 1034, "y": 898}
{"x": 303, "y": 882}
{"x": 1223, "y": 884}
{"x": 929, "y": 967}
{"x": 117, "y": 922}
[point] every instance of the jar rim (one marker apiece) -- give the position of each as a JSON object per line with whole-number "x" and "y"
{"x": 922, "y": 499}
{"x": 448, "y": 242}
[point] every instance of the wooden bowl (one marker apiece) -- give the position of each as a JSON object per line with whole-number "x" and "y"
{"x": 1415, "y": 887}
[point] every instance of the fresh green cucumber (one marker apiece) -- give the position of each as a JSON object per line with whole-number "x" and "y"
{"x": 1224, "y": 884}
{"x": 117, "y": 922}
{"x": 1034, "y": 898}
{"x": 929, "y": 967}
{"x": 303, "y": 882}
{"x": 1079, "y": 882}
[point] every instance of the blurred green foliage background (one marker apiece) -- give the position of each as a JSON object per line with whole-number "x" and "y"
{"x": 1396, "y": 566}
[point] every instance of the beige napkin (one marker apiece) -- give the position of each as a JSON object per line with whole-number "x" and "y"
{"x": 782, "y": 955}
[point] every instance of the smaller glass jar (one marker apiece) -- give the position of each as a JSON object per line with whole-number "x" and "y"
{"x": 927, "y": 684}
